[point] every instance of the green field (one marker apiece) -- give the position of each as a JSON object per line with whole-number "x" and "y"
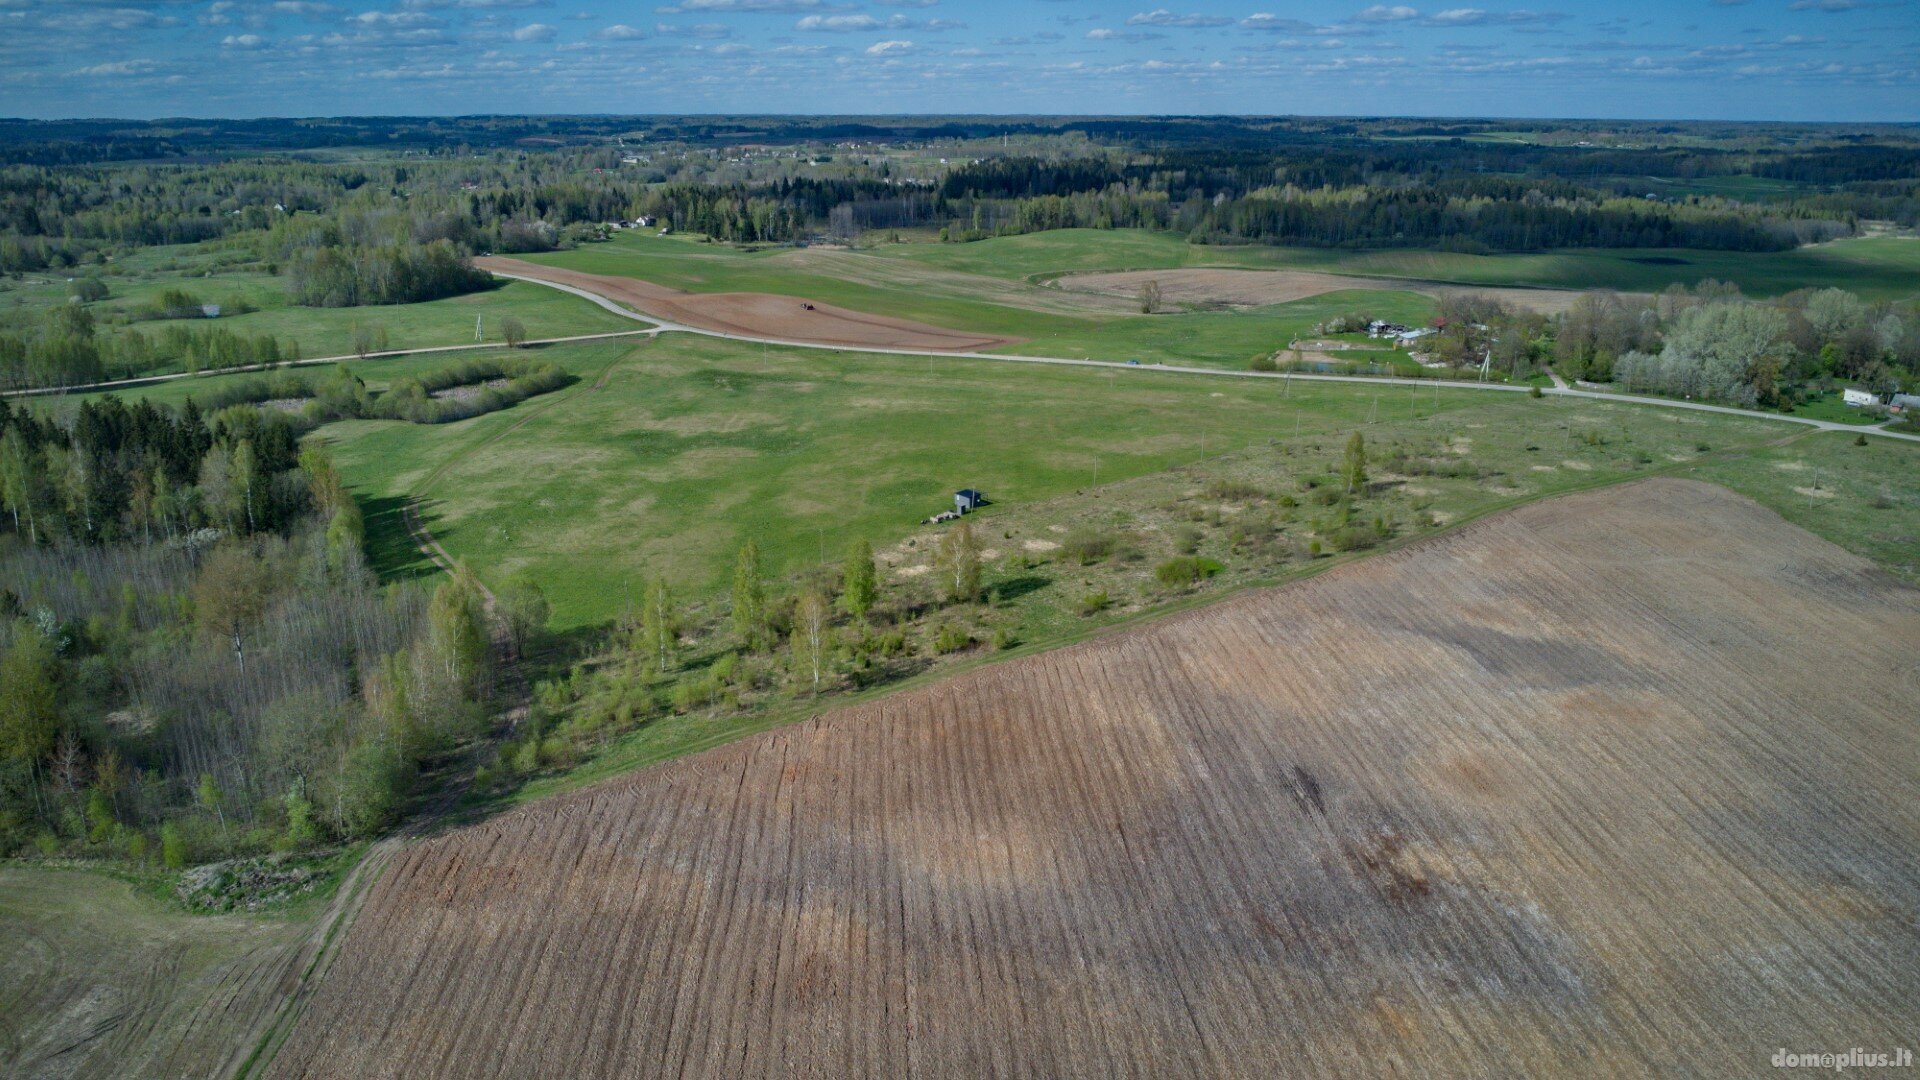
{"x": 136, "y": 281}
{"x": 667, "y": 455}
{"x": 1877, "y": 268}
{"x": 1049, "y": 322}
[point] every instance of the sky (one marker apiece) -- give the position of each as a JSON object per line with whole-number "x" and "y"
{"x": 1852, "y": 60}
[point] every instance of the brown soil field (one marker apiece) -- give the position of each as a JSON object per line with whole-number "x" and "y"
{"x": 1197, "y": 285}
{"x": 756, "y": 315}
{"x": 1620, "y": 784}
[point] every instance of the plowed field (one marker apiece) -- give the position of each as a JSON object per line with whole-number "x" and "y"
{"x": 1197, "y": 285}
{"x": 755, "y": 315}
{"x": 1621, "y": 784}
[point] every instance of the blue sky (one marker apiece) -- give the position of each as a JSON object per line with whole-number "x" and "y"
{"x": 1722, "y": 59}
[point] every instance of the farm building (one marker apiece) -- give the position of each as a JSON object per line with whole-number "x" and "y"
{"x": 967, "y": 499}
{"x": 1902, "y": 403}
{"x": 1858, "y": 398}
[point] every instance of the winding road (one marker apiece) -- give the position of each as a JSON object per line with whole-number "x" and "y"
{"x": 657, "y": 326}
{"x": 1559, "y": 389}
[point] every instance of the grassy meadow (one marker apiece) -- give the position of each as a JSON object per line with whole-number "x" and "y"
{"x": 1877, "y": 268}
{"x": 964, "y": 297}
{"x": 136, "y": 282}
{"x": 665, "y": 456}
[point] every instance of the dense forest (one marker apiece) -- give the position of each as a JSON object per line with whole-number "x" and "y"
{"x": 361, "y": 229}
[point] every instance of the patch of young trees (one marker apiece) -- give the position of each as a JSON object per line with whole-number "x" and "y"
{"x": 494, "y": 385}
{"x": 1711, "y": 343}
{"x": 67, "y": 347}
{"x": 211, "y": 670}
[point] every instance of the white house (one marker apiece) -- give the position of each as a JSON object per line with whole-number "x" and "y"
{"x": 1858, "y": 398}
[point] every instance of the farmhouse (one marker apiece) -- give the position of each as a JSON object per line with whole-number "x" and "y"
{"x": 1859, "y": 398}
{"x": 1903, "y": 402}
{"x": 967, "y": 499}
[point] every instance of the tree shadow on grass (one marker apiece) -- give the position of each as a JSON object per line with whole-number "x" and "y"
{"x": 1016, "y": 587}
{"x": 390, "y": 547}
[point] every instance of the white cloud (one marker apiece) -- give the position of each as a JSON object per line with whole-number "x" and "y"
{"x": 1264, "y": 20}
{"x": 788, "y": 6}
{"x": 838, "y": 24}
{"x": 393, "y": 18}
{"x": 1380, "y": 13}
{"x": 620, "y": 32}
{"x": 243, "y": 41}
{"x": 1163, "y": 17}
{"x": 118, "y": 68}
{"x": 888, "y": 48}
{"x": 699, "y": 30}
{"x": 534, "y": 32}
{"x": 1478, "y": 17}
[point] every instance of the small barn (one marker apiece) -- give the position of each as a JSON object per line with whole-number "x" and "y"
{"x": 1905, "y": 403}
{"x": 967, "y": 499}
{"x": 1858, "y": 398}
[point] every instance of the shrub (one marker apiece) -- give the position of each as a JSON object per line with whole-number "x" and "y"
{"x": 1535, "y": 392}
{"x": 88, "y": 289}
{"x": 1087, "y": 547}
{"x": 1094, "y": 603}
{"x": 951, "y": 638}
{"x": 412, "y": 398}
{"x": 1262, "y": 362}
{"x": 173, "y": 846}
{"x": 1352, "y": 538}
{"x": 1185, "y": 571}
{"x": 1234, "y": 491}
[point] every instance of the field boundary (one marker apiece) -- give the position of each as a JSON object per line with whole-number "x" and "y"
{"x": 1182, "y": 369}
{"x": 242, "y": 369}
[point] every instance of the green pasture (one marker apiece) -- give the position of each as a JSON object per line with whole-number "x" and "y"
{"x": 1877, "y": 268}
{"x": 1047, "y": 322}
{"x": 137, "y": 281}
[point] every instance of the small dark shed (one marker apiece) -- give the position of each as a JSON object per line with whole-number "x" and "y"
{"x": 968, "y": 499}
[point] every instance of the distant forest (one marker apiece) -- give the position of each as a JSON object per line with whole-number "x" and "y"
{"x": 378, "y": 191}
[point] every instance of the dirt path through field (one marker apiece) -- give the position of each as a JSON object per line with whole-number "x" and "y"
{"x": 756, "y": 315}
{"x": 1592, "y": 787}
{"x": 1198, "y": 285}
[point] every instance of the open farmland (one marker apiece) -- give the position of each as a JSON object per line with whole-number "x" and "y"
{"x": 1875, "y": 267}
{"x": 861, "y": 298}
{"x": 1559, "y": 792}
{"x": 1251, "y": 288}
{"x": 758, "y": 315}
{"x": 97, "y": 980}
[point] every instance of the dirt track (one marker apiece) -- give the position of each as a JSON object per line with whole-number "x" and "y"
{"x": 756, "y": 315}
{"x": 1620, "y": 784}
{"x": 1196, "y": 285}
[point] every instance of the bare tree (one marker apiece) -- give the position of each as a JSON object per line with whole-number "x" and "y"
{"x": 959, "y": 562}
{"x": 812, "y": 630}
{"x": 368, "y": 338}
{"x": 514, "y": 331}
{"x": 1149, "y": 298}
